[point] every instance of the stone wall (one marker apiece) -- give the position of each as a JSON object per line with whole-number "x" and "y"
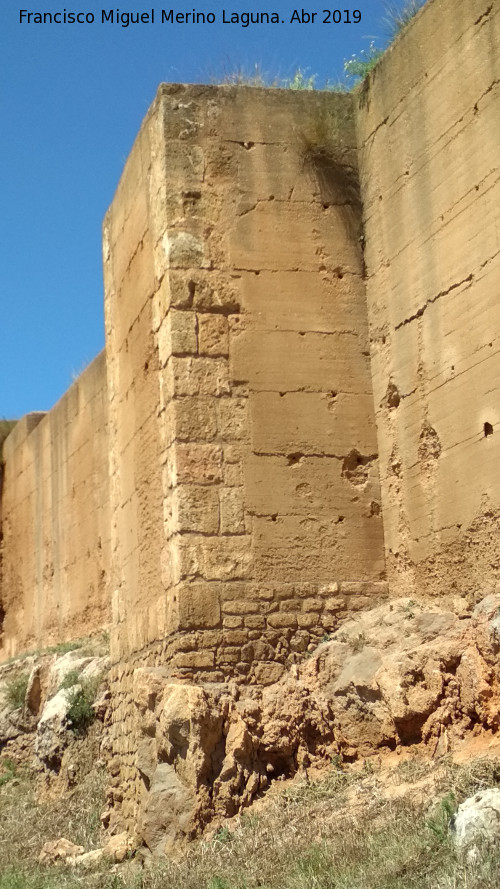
{"x": 242, "y": 429}
{"x": 222, "y": 491}
{"x": 55, "y": 520}
{"x": 429, "y": 135}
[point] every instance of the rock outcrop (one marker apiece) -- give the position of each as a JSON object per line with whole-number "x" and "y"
{"x": 36, "y": 726}
{"x": 402, "y": 674}
{"x": 477, "y": 821}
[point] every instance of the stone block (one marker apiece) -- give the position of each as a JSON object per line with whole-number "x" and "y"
{"x": 280, "y": 360}
{"x": 200, "y": 376}
{"x": 282, "y": 619}
{"x": 254, "y": 243}
{"x": 182, "y": 332}
{"x": 193, "y": 659}
{"x": 309, "y": 605}
{"x": 233, "y": 418}
{"x": 241, "y": 607}
{"x": 334, "y": 301}
{"x": 184, "y": 642}
{"x": 210, "y": 638}
{"x": 195, "y": 418}
{"x": 267, "y": 673}
{"x": 196, "y": 508}
{"x": 232, "y": 474}
{"x": 233, "y": 453}
{"x": 226, "y": 558}
{"x": 232, "y": 622}
{"x": 258, "y": 650}
{"x": 183, "y": 250}
{"x": 300, "y": 641}
{"x": 193, "y": 290}
{"x": 306, "y": 621}
{"x": 198, "y": 605}
{"x": 229, "y": 655}
{"x": 213, "y": 676}
{"x": 180, "y": 289}
{"x": 232, "y": 513}
{"x": 198, "y": 463}
{"x": 235, "y": 637}
{"x": 213, "y": 336}
{"x": 364, "y": 587}
{"x": 255, "y": 621}
{"x": 290, "y": 605}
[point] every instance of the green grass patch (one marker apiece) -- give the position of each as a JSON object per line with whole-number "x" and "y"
{"x": 15, "y": 690}
{"x": 71, "y": 679}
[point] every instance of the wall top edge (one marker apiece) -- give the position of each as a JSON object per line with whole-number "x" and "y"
{"x": 415, "y": 56}
{"x": 212, "y": 89}
{"x": 20, "y": 432}
{"x": 29, "y": 422}
{"x": 249, "y": 100}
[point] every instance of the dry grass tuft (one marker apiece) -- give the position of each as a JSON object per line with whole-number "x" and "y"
{"x": 342, "y": 832}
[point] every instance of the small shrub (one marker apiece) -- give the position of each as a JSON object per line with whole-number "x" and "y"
{"x": 9, "y": 772}
{"x": 81, "y": 713}
{"x": 71, "y": 679}
{"x": 358, "y": 643}
{"x": 358, "y": 66}
{"x": 397, "y": 16}
{"x": 300, "y": 81}
{"x": 440, "y": 820}
{"x": 242, "y": 76}
{"x": 16, "y": 691}
{"x": 223, "y": 836}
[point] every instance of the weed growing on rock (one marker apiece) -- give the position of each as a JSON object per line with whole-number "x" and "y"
{"x": 358, "y": 66}
{"x": 15, "y": 691}
{"x": 300, "y": 81}
{"x": 81, "y": 713}
{"x": 71, "y": 679}
{"x": 255, "y": 77}
{"x": 398, "y": 16}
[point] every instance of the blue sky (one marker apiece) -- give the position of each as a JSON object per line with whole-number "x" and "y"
{"x": 72, "y": 98}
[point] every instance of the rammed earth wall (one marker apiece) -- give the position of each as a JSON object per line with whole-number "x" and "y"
{"x": 301, "y": 297}
{"x": 429, "y": 136}
{"x": 55, "y": 520}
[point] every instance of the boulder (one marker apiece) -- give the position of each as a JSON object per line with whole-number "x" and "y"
{"x": 119, "y": 847}
{"x": 87, "y": 859}
{"x": 478, "y": 820}
{"x": 52, "y": 733}
{"x": 58, "y": 851}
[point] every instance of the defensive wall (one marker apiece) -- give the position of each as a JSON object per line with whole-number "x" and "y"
{"x": 302, "y": 364}
{"x": 55, "y": 520}
{"x": 429, "y": 137}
